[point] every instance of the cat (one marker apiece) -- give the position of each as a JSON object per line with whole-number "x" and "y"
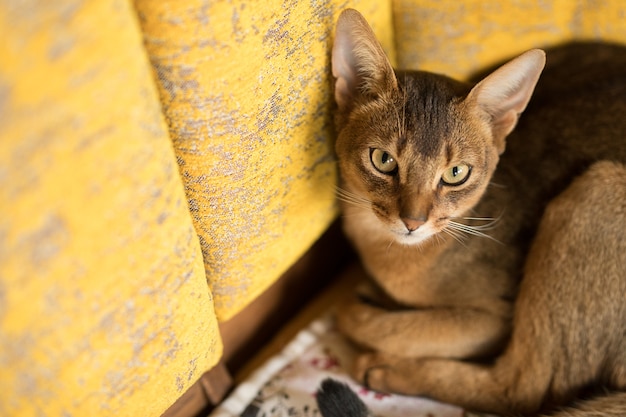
{"x": 496, "y": 241}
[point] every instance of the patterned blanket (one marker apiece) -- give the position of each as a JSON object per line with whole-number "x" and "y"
{"x": 286, "y": 384}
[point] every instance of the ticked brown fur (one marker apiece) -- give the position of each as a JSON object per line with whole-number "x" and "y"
{"x": 507, "y": 286}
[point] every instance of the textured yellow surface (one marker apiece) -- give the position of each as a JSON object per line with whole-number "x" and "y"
{"x": 104, "y": 307}
{"x": 459, "y": 37}
{"x": 246, "y": 92}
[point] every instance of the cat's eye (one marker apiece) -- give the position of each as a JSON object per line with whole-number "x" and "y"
{"x": 383, "y": 161}
{"x": 456, "y": 175}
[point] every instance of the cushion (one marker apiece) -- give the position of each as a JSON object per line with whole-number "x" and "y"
{"x": 246, "y": 93}
{"x": 457, "y": 38}
{"x": 104, "y": 306}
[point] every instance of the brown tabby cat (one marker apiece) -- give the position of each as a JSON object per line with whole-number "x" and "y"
{"x": 526, "y": 262}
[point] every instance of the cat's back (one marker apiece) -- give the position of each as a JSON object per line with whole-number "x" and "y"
{"x": 577, "y": 115}
{"x": 583, "y": 71}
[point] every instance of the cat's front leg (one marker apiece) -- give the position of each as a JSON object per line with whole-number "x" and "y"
{"x": 493, "y": 389}
{"x": 429, "y": 332}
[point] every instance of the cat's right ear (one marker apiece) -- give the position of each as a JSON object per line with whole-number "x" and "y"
{"x": 360, "y": 66}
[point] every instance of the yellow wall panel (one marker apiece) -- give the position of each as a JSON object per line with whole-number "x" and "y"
{"x": 460, "y": 37}
{"x": 246, "y": 91}
{"x": 104, "y": 307}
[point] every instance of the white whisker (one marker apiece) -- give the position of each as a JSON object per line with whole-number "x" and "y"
{"x": 352, "y": 198}
{"x": 490, "y": 222}
{"x": 355, "y": 203}
{"x": 455, "y": 235}
{"x": 470, "y": 230}
{"x": 390, "y": 245}
{"x": 440, "y": 239}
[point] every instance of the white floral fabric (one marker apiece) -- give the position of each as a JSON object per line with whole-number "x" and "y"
{"x": 286, "y": 385}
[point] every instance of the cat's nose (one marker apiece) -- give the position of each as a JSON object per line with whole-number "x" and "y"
{"x": 413, "y": 224}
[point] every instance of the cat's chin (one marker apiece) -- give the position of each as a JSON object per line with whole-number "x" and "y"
{"x": 410, "y": 240}
{"x": 413, "y": 239}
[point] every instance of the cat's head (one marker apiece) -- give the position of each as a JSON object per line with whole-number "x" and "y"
{"x": 417, "y": 150}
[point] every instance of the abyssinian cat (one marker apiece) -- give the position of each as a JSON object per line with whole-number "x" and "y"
{"x": 499, "y": 289}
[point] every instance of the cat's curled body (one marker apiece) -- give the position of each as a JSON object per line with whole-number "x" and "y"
{"x": 526, "y": 262}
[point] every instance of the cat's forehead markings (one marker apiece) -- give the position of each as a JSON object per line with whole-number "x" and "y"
{"x": 449, "y": 154}
{"x": 401, "y": 143}
{"x": 426, "y": 115}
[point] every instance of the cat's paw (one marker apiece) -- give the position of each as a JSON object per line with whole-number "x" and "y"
{"x": 370, "y": 369}
{"x": 386, "y": 373}
{"x": 364, "y": 363}
{"x": 354, "y": 318}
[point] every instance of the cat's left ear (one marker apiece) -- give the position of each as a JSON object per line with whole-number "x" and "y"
{"x": 504, "y": 93}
